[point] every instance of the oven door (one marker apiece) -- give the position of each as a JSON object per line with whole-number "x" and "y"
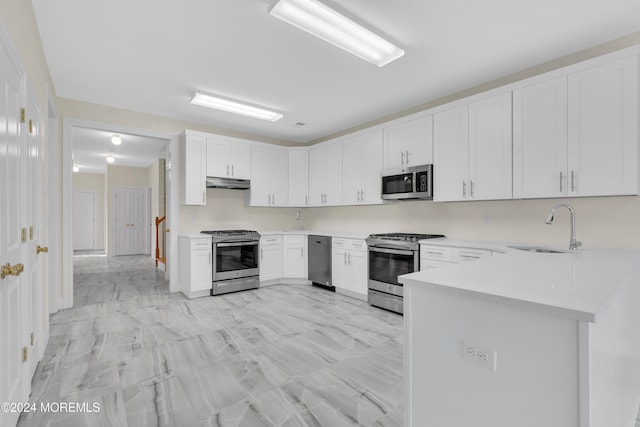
{"x": 386, "y": 264}
{"x": 235, "y": 259}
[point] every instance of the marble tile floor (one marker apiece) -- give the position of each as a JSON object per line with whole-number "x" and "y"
{"x": 283, "y": 355}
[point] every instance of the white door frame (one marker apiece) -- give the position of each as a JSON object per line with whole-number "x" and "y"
{"x": 94, "y": 229}
{"x": 52, "y": 239}
{"x": 68, "y": 125}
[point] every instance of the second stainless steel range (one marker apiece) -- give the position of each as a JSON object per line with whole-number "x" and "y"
{"x": 392, "y": 255}
{"x": 235, "y": 260}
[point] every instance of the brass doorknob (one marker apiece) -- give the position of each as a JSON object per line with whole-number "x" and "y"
{"x": 41, "y": 249}
{"x": 8, "y": 269}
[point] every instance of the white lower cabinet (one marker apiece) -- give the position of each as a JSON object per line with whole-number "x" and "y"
{"x": 349, "y": 265}
{"x": 295, "y": 256}
{"x": 195, "y": 265}
{"x": 436, "y": 256}
{"x": 270, "y": 258}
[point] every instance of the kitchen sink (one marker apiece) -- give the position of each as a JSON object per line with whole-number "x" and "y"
{"x": 537, "y": 249}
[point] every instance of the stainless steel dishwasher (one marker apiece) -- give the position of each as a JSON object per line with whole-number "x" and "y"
{"x": 320, "y": 261}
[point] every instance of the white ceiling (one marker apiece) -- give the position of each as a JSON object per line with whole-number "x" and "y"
{"x": 151, "y": 56}
{"x": 91, "y": 147}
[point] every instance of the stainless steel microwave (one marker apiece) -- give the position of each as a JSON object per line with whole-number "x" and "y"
{"x": 410, "y": 183}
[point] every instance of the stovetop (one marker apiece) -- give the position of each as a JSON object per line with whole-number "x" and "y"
{"x": 232, "y": 235}
{"x": 404, "y": 237}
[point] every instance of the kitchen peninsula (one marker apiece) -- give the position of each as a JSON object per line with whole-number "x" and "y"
{"x": 524, "y": 338}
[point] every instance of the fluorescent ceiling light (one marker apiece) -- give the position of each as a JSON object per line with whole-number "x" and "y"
{"x": 218, "y": 103}
{"x": 116, "y": 140}
{"x": 110, "y": 159}
{"x": 329, "y": 25}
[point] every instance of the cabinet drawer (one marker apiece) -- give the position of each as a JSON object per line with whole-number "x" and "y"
{"x": 338, "y": 243}
{"x": 200, "y": 244}
{"x": 469, "y": 254}
{"x": 428, "y": 264}
{"x": 357, "y": 245}
{"x": 349, "y": 244}
{"x": 271, "y": 240}
{"x": 295, "y": 240}
{"x": 437, "y": 253}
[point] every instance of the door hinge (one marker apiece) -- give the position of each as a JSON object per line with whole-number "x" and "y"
{"x": 23, "y": 115}
{"x": 33, "y": 339}
{"x": 24, "y": 354}
{"x": 24, "y": 235}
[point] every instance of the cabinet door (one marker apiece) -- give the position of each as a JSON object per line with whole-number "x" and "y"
{"x": 218, "y": 157}
{"x": 395, "y": 146}
{"x": 279, "y": 177}
{"x": 240, "y": 160}
{"x": 194, "y": 183}
{"x": 334, "y": 174}
{"x": 359, "y": 272}
{"x": 373, "y": 164}
{"x": 353, "y": 170}
{"x": 340, "y": 272}
{"x": 603, "y": 130}
{"x": 201, "y": 269}
{"x": 261, "y": 172}
{"x": 451, "y": 154}
{"x": 490, "y": 148}
{"x": 298, "y": 178}
{"x": 295, "y": 257}
{"x": 270, "y": 262}
{"x": 419, "y": 141}
{"x": 540, "y": 140}
{"x": 317, "y": 176}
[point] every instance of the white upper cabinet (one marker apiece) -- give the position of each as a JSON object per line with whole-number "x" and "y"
{"x": 472, "y": 151}
{"x": 490, "y": 148}
{"x": 451, "y": 154}
{"x": 603, "y": 129}
{"x": 194, "y": 156}
{"x": 409, "y": 143}
{"x": 325, "y": 174}
{"x": 269, "y": 176}
{"x": 540, "y": 140}
{"x": 362, "y": 165}
{"x": 228, "y": 158}
{"x": 298, "y": 178}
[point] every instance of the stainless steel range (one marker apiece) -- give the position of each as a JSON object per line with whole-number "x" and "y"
{"x": 235, "y": 260}
{"x": 392, "y": 255}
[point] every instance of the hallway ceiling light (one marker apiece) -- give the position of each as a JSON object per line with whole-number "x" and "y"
{"x": 323, "y": 22}
{"x": 110, "y": 159}
{"x": 76, "y": 168}
{"x": 235, "y": 107}
{"x": 116, "y": 140}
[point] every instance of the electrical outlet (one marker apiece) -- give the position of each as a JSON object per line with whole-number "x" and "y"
{"x": 480, "y": 355}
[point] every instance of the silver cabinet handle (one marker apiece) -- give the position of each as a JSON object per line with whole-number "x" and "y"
{"x": 227, "y": 169}
{"x": 561, "y": 189}
{"x": 209, "y": 258}
{"x": 261, "y": 253}
{"x": 407, "y": 156}
{"x": 345, "y": 258}
{"x": 306, "y": 199}
{"x": 464, "y": 189}
{"x": 401, "y": 158}
{"x": 203, "y": 197}
{"x": 573, "y": 181}
{"x": 301, "y": 252}
{"x": 470, "y": 188}
{"x": 349, "y": 258}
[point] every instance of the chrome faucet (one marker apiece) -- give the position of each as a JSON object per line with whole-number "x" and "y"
{"x": 573, "y": 243}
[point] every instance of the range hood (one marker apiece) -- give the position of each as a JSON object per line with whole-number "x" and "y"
{"x": 231, "y": 183}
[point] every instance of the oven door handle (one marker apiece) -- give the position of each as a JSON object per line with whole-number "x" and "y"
{"x": 391, "y": 251}
{"x": 244, "y": 243}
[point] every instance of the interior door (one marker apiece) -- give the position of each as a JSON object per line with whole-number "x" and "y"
{"x": 131, "y": 219}
{"x": 12, "y": 387}
{"x": 84, "y": 220}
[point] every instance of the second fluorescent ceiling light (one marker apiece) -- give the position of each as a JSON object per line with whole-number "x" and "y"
{"x": 234, "y": 107}
{"x": 329, "y": 25}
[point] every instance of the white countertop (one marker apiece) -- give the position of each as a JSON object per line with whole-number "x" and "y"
{"x": 577, "y": 284}
{"x": 345, "y": 235}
